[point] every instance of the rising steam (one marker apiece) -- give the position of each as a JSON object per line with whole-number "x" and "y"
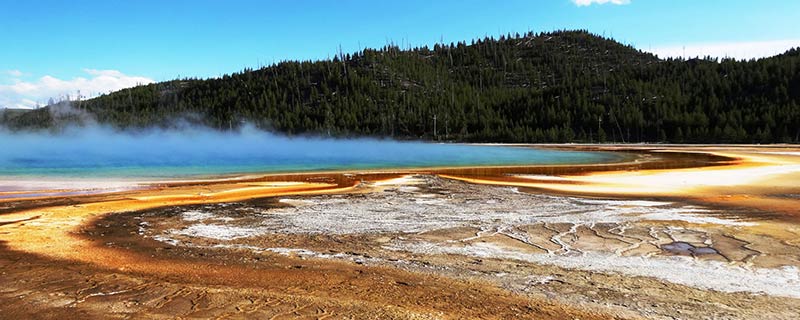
{"x": 103, "y": 152}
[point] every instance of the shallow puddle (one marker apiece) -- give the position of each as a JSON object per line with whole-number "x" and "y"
{"x": 685, "y": 248}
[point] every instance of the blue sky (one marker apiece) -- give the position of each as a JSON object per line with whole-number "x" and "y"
{"x": 54, "y": 46}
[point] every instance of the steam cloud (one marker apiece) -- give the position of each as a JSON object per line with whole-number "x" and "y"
{"x": 103, "y": 152}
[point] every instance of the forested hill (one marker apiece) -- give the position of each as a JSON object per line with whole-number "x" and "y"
{"x": 549, "y": 87}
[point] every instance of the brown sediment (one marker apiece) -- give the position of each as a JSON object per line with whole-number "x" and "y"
{"x": 39, "y": 235}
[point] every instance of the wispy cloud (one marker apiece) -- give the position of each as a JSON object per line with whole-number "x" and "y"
{"x": 583, "y": 3}
{"x": 737, "y": 50}
{"x": 14, "y": 73}
{"x": 27, "y": 94}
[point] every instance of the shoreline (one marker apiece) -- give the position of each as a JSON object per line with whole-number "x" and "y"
{"x": 36, "y": 188}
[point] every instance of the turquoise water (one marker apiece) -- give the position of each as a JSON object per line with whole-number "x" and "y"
{"x": 166, "y": 154}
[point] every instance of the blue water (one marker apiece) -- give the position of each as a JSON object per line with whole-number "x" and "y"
{"x": 102, "y": 153}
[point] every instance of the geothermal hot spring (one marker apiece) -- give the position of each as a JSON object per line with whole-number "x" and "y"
{"x": 37, "y": 161}
{"x": 604, "y": 249}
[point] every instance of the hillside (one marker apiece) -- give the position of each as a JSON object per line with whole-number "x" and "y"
{"x": 550, "y": 87}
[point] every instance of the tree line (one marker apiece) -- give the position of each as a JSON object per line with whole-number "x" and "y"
{"x": 563, "y": 86}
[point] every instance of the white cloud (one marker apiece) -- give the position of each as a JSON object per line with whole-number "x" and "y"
{"x": 15, "y": 73}
{"x": 583, "y": 3}
{"x": 736, "y": 50}
{"x": 23, "y": 94}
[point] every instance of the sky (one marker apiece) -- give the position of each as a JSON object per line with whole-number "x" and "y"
{"x": 51, "y": 49}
